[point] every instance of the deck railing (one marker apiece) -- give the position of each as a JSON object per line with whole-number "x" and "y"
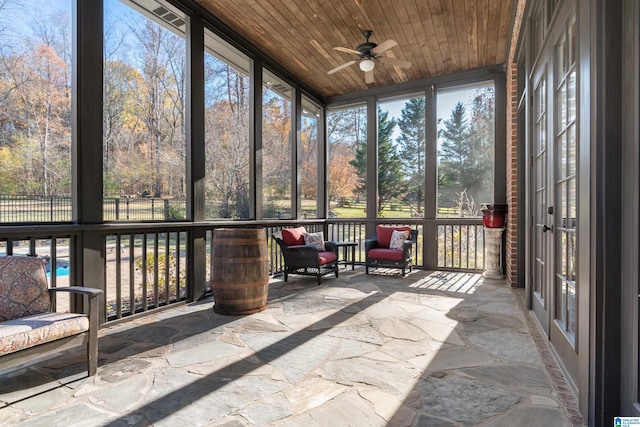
{"x": 461, "y": 246}
{"x": 144, "y": 267}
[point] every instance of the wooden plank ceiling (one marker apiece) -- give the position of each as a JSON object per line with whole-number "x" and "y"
{"x": 438, "y": 37}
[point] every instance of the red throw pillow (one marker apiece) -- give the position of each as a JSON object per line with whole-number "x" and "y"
{"x": 293, "y": 236}
{"x": 384, "y": 232}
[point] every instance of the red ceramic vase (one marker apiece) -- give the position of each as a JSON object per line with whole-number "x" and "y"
{"x": 493, "y": 215}
{"x": 493, "y": 220}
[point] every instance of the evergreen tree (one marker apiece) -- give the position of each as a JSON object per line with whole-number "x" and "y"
{"x": 466, "y": 152}
{"x": 454, "y": 153}
{"x": 411, "y": 142}
{"x": 359, "y": 162}
{"x": 391, "y": 182}
{"x": 482, "y": 136}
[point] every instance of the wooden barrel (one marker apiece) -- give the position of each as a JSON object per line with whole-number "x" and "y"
{"x": 240, "y": 270}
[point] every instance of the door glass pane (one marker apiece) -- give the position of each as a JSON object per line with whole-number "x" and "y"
{"x": 144, "y": 112}
{"x": 561, "y": 154}
{"x": 538, "y": 284}
{"x": 566, "y": 183}
{"x": 347, "y": 152}
{"x": 540, "y": 191}
{"x": 227, "y": 110}
{"x": 571, "y": 202}
{"x": 561, "y": 299}
{"x": 277, "y": 144}
{"x": 572, "y": 314}
{"x": 571, "y": 149}
{"x": 571, "y": 95}
{"x": 561, "y": 105}
{"x": 538, "y": 26}
{"x": 562, "y": 209}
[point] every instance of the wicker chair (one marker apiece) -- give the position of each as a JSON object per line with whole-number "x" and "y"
{"x": 305, "y": 259}
{"x": 380, "y": 255}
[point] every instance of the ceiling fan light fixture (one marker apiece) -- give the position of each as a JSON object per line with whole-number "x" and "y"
{"x": 367, "y": 65}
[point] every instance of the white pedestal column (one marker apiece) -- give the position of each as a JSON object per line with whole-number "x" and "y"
{"x": 493, "y": 250}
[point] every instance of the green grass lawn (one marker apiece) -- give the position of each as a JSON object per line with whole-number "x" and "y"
{"x": 359, "y": 211}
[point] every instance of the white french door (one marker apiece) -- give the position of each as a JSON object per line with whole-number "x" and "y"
{"x": 541, "y": 228}
{"x": 554, "y": 197}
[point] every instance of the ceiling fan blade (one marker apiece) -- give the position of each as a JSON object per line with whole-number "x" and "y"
{"x": 368, "y": 77}
{"x": 385, "y": 45}
{"x": 345, "y": 65}
{"x": 347, "y": 50}
{"x": 395, "y": 62}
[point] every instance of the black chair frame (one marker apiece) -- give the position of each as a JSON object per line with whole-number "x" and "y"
{"x": 403, "y": 264}
{"x": 305, "y": 259}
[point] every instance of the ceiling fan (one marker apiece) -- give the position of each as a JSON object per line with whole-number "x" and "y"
{"x": 368, "y": 54}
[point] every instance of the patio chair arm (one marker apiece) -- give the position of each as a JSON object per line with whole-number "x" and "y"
{"x": 370, "y": 244}
{"x": 407, "y": 244}
{"x": 92, "y": 294}
{"x": 300, "y": 256}
{"x": 330, "y": 246}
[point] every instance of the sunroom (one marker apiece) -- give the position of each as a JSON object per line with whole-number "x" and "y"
{"x": 132, "y": 130}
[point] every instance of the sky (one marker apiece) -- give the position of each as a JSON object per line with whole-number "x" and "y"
{"x": 446, "y": 102}
{"x": 115, "y": 8}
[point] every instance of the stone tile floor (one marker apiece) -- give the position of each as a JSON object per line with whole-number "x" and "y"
{"x": 430, "y": 349}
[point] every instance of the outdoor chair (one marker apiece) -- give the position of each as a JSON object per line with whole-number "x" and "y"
{"x": 29, "y": 330}
{"x": 390, "y": 248}
{"x": 306, "y": 253}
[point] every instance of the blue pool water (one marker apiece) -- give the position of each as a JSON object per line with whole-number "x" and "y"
{"x": 62, "y": 268}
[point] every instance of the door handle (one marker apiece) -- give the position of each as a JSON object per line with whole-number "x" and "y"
{"x": 545, "y": 228}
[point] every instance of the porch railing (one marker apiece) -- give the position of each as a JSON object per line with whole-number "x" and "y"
{"x": 149, "y": 266}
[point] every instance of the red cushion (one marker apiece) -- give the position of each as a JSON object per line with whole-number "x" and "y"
{"x": 384, "y": 232}
{"x": 327, "y": 257}
{"x": 385, "y": 254}
{"x": 293, "y": 236}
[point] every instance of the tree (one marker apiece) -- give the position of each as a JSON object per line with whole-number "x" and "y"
{"x": 359, "y": 162}
{"x": 46, "y": 101}
{"x": 411, "y": 143}
{"x": 482, "y": 140}
{"x": 391, "y": 182}
{"x": 227, "y": 138}
{"x": 341, "y": 172}
{"x": 346, "y": 129}
{"x": 453, "y": 153}
{"x": 162, "y": 56}
{"x": 466, "y": 155}
{"x": 309, "y": 178}
{"x": 35, "y": 96}
{"x": 276, "y": 149}
{"x": 121, "y": 123}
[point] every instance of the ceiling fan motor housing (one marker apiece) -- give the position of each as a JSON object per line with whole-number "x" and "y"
{"x": 365, "y": 48}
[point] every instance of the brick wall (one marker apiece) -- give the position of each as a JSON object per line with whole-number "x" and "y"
{"x": 512, "y": 244}
{"x": 511, "y": 247}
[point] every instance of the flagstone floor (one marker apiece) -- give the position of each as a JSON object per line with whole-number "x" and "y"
{"x": 430, "y": 349}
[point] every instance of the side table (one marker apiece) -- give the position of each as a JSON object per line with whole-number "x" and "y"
{"x": 346, "y": 245}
